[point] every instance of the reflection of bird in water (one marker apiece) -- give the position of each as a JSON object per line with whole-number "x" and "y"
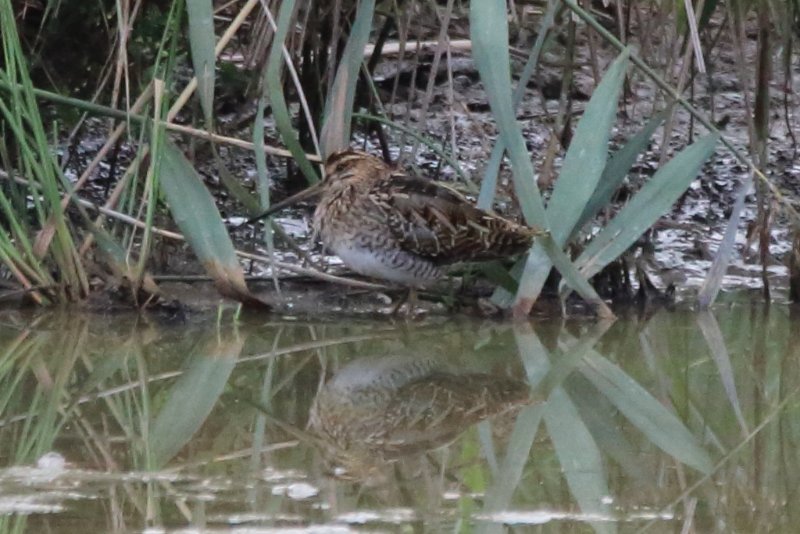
{"x": 402, "y": 228}
{"x": 378, "y": 410}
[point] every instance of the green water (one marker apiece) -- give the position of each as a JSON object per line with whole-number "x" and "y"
{"x": 669, "y": 423}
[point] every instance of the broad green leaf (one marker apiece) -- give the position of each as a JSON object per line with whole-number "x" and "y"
{"x": 192, "y": 397}
{"x": 617, "y": 169}
{"x": 489, "y": 182}
{"x": 488, "y": 24}
{"x": 274, "y": 84}
{"x": 583, "y": 166}
{"x": 489, "y": 32}
{"x": 652, "y": 201}
{"x": 197, "y": 216}
{"x": 586, "y": 157}
{"x": 339, "y": 104}
{"x": 645, "y": 412}
{"x": 202, "y": 42}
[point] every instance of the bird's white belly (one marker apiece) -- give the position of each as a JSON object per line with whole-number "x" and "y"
{"x": 398, "y": 270}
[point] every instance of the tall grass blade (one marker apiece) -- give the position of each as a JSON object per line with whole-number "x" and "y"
{"x": 339, "y": 103}
{"x": 262, "y": 183}
{"x": 149, "y": 196}
{"x": 273, "y": 81}
{"x": 198, "y": 218}
{"x": 192, "y": 397}
{"x": 652, "y": 201}
{"x": 34, "y": 157}
{"x": 202, "y": 42}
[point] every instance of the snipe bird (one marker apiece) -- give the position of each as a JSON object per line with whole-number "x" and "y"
{"x": 390, "y": 408}
{"x": 388, "y": 224}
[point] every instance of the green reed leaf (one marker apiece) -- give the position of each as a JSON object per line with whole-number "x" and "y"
{"x": 646, "y": 206}
{"x": 583, "y": 166}
{"x": 617, "y": 169}
{"x": 201, "y": 43}
{"x": 489, "y": 32}
{"x": 274, "y": 87}
{"x": 586, "y": 157}
{"x": 489, "y": 182}
{"x": 199, "y": 219}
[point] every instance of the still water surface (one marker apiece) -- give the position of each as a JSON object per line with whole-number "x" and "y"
{"x": 675, "y": 422}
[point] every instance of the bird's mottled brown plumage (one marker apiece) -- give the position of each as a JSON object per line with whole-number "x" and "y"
{"x": 389, "y": 224}
{"x": 379, "y": 410}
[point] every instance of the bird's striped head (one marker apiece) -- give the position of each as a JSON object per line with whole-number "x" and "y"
{"x": 352, "y": 164}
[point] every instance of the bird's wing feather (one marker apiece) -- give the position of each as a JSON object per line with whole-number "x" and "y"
{"x": 435, "y": 222}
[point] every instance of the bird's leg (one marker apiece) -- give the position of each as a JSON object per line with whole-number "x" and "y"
{"x": 401, "y": 302}
{"x": 412, "y": 301}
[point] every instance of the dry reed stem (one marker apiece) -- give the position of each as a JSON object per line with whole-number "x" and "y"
{"x": 441, "y": 46}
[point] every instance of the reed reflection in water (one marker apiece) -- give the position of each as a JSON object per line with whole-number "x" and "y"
{"x": 674, "y": 421}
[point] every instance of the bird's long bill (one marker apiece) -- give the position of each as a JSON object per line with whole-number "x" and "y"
{"x": 305, "y": 194}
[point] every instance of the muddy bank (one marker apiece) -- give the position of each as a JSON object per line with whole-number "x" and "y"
{"x": 676, "y": 254}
